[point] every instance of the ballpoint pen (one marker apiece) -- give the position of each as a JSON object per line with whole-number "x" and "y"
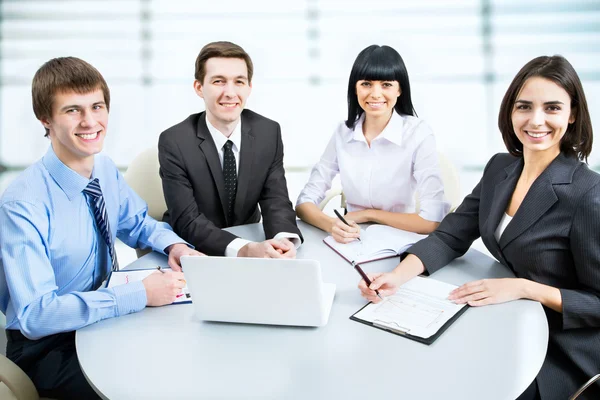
{"x": 343, "y": 220}
{"x": 365, "y": 277}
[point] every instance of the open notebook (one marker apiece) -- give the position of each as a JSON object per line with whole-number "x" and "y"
{"x": 124, "y": 277}
{"x": 376, "y": 242}
{"x": 420, "y": 310}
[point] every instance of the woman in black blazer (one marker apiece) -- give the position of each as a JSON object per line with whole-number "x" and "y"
{"x": 537, "y": 211}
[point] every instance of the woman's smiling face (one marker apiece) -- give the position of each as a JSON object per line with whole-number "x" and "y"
{"x": 541, "y": 115}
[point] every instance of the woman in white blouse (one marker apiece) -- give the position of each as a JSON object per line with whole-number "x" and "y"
{"x": 383, "y": 153}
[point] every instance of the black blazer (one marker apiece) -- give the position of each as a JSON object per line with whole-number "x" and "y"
{"x": 192, "y": 179}
{"x": 553, "y": 239}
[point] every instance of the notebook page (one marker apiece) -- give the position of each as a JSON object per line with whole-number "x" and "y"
{"x": 392, "y": 238}
{"x": 419, "y": 308}
{"x": 124, "y": 277}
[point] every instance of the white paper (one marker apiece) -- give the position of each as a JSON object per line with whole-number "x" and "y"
{"x": 376, "y": 241}
{"x": 419, "y": 308}
{"x": 126, "y": 276}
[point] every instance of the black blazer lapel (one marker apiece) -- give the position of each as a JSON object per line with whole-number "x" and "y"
{"x": 208, "y": 147}
{"x": 247, "y": 154}
{"x": 540, "y": 197}
{"x": 502, "y": 193}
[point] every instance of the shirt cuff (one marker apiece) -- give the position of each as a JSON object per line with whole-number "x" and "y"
{"x": 234, "y": 247}
{"x": 130, "y": 298}
{"x": 292, "y": 237}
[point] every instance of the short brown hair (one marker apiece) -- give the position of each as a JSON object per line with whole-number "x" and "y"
{"x": 222, "y": 50}
{"x": 578, "y": 138}
{"x": 60, "y": 75}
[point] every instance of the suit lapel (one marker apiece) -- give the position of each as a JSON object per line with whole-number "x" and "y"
{"x": 502, "y": 193}
{"x": 245, "y": 170}
{"x": 208, "y": 148}
{"x": 540, "y": 197}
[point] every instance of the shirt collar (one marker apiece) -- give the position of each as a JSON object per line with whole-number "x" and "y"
{"x": 220, "y": 139}
{"x": 68, "y": 180}
{"x": 392, "y": 132}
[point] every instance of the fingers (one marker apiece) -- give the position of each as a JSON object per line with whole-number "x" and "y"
{"x": 467, "y": 289}
{"x": 282, "y": 244}
{"x": 174, "y": 265}
{"x": 482, "y": 302}
{"x": 378, "y": 281}
{"x": 270, "y": 252}
{"x": 343, "y": 233}
{"x": 291, "y": 253}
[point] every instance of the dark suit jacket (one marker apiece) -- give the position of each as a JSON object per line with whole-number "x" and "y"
{"x": 194, "y": 189}
{"x": 553, "y": 239}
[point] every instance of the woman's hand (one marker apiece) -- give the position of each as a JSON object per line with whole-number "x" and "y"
{"x": 488, "y": 291}
{"x": 360, "y": 217}
{"x": 386, "y": 283}
{"x": 343, "y": 233}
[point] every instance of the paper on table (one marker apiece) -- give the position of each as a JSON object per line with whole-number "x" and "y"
{"x": 419, "y": 308}
{"x": 376, "y": 242}
{"x": 126, "y": 276}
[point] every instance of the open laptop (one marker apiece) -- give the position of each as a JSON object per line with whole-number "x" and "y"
{"x": 258, "y": 290}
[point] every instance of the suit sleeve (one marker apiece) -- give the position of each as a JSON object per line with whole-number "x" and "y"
{"x": 581, "y": 306}
{"x": 184, "y": 216}
{"x": 275, "y": 205}
{"x": 454, "y": 235}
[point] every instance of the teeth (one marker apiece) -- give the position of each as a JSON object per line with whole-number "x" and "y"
{"x": 89, "y": 136}
{"x": 228, "y": 105}
{"x": 537, "y": 135}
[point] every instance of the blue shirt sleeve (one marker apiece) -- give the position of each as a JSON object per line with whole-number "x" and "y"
{"x": 39, "y": 306}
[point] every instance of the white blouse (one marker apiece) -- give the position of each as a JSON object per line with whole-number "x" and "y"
{"x": 502, "y": 226}
{"x": 401, "y": 160}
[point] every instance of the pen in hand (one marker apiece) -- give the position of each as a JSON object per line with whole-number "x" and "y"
{"x": 365, "y": 277}
{"x": 160, "y": 269}
{"x": 343, "y": 220}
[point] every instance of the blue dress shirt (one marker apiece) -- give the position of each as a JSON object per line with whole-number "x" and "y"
{"x": 53, "y": 260}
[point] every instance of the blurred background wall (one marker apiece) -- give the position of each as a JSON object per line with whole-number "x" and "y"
{"x": 460, "y": 55}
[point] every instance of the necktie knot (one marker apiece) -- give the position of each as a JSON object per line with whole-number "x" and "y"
{"x": 93, "y": 188}
{"x": 228, "y": 145}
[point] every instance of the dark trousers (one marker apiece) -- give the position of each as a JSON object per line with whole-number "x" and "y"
{"x": 51, "y": 363}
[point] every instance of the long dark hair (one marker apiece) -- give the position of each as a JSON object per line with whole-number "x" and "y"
{"x": 378, "y": 63}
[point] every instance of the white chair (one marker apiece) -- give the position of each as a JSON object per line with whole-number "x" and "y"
{"x": 142, "y": 176}
{"x": 450, "y": 178}
{"x": 14, "y": 383}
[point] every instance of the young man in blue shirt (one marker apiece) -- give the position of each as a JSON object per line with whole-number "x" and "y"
{"x": 58, "y": 223}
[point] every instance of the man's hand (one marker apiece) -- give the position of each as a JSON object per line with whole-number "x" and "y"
{"x": 269, "y": 249}
{"x": 175, "y": 251}
{"x": 163, "y": 287}
{"x": 285, "y": 247}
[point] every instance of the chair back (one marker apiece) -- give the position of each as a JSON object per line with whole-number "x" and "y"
{"x": 143, "y": 177}
{"x": 451, "y": 181}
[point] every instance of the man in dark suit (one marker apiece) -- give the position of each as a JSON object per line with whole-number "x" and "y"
{"x": 219, "y": 165}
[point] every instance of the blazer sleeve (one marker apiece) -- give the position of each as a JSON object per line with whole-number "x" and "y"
{"x": 581, "y": 306}
{"x": 184, "y": 216}
{"x": 275, "y": 205}
{"x": 454, "y": 235}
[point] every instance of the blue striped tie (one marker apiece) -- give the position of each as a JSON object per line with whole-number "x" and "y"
{"x": 96, "y": 201}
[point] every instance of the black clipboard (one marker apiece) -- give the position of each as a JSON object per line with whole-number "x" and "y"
{"x": 406, "y": 334}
